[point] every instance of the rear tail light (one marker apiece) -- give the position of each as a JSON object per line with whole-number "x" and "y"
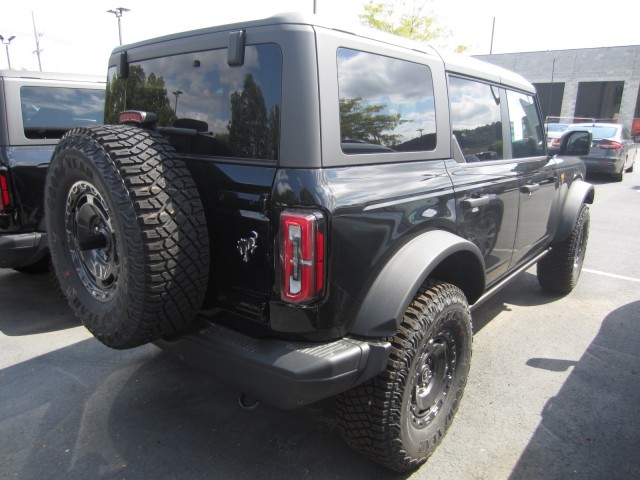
{"x": 137, "y": 117}
{"x": 610, "y": 145}
{"x": 555, "y": 143}
{"x": 302, "y": 254}
{"x": 5, "y": 198}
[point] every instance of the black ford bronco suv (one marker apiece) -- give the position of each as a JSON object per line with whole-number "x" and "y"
{"x": 306, "y": 212}
{"x": 35, "y": 110}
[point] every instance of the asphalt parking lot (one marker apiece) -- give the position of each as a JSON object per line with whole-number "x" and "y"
{"x": 554, "y": 389}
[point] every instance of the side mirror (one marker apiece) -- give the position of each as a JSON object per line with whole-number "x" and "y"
{"x": 576, "y": 142}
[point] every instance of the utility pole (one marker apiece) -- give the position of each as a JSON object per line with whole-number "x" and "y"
{"x": 6, "y": 44}
{"x": 118, "y": 13}
{"x": 493, "y": 28}
{"x": 37, "y": 35}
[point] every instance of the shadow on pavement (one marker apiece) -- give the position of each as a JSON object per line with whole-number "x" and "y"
{"x": 32, "y": 297}
{"x": 524, "y": 290}
{"x": 580, "y": 435}
{"x": 85, "y": 411}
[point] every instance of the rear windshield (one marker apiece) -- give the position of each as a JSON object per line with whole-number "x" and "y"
{"x": 604, "y": 132}
{"x": 204, "y": 106}
{"x": 48, "y": 112}
{"x": 557, "y": 127}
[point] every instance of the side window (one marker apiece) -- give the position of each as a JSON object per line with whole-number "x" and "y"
{"x": 386, "y": 104}
{"x": 205, "y": 106}
{"x": 48, "y": 112}
{"x": 475, "y": 119}
{"x": 525, "y": 126}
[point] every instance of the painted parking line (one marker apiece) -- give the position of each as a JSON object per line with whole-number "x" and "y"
{"x": 612, "y": 275}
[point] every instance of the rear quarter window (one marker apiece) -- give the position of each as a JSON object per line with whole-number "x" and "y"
{"x": 386, "y": 104}
{"x": 48, "y": 112}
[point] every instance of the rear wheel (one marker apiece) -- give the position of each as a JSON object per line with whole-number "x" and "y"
{"x": 399, "y": 417}
{"x": 560, "y": 270}
{"x": 127, "y": 234}
{"x": 618, "y": 177}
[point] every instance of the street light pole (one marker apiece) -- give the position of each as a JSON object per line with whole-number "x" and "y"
{"x": 177, "y": 93}
{"x": 118, "y": 13}
{"x": 6, "y": 44}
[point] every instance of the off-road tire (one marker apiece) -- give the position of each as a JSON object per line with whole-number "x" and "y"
{"x": 559, "y": 271}
{"x": 399, "y": 417}
{"x": 127, "y": 234}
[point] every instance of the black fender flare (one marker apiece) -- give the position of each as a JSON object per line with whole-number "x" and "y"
{"x": 580, "y": 192}
{"x": 438, "y": 253}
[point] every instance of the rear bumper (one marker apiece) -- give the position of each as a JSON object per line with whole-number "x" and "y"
{"x": 284, "y": 374}
{"x": 22, "y": 249}
{"x": 603, "y": 165}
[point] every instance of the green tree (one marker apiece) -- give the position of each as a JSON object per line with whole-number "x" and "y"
{"x": 413, "y": 25}
{"x": 253, "y": 132}
{"x": 397, "y": 18}
{"x": 138, "y": 92}
{"x": 363, "y": 122}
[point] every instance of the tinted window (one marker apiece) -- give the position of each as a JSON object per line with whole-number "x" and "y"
{"x": 386, "y": 104}
{"x": 526, "y": 131}
{"x": 215, "y": 109}
{"x": 48, "y": 112}
{"x": 475, "y": 119}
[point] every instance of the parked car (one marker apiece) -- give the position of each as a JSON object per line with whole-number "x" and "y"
{"x": 35, "y": 110}
{"x": 613, "y": 151}
{"x": 554, "y": 132}
{"x": 305, "y": 224}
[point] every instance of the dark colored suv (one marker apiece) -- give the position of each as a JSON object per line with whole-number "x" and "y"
{"x": 35, "y": 110}
{"x": 307, "y": 211}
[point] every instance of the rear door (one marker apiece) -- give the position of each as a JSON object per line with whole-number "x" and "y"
{"x": 485, "y": 181}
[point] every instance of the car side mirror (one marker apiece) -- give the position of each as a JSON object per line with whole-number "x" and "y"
{"x": 576, "y": 142}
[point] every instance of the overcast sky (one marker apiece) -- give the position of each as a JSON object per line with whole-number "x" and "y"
{"x": 78, "y": 35}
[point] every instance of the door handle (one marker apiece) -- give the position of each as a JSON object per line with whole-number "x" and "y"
{"x": 475, "y": 202}
{"x": 534, "y": 187}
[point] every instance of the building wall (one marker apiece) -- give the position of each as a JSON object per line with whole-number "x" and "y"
{"x": 581, "y": 65}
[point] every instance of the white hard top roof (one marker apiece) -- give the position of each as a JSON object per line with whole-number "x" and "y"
{"x": 78, "y": 77}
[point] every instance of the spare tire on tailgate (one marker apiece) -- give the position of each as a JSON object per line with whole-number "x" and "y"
{"x": 127, "y": 233}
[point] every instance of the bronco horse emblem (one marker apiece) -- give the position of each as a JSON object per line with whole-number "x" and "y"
{"x": 246, "y": 246}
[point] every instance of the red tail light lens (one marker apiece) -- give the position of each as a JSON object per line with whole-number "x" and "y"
{"x": 137, "y": 117}
{"x": 5, "y": 198}
{"x": 610, "y": 145}
{"x": 302, "y": 246}
{"x": 555, "y": 143}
